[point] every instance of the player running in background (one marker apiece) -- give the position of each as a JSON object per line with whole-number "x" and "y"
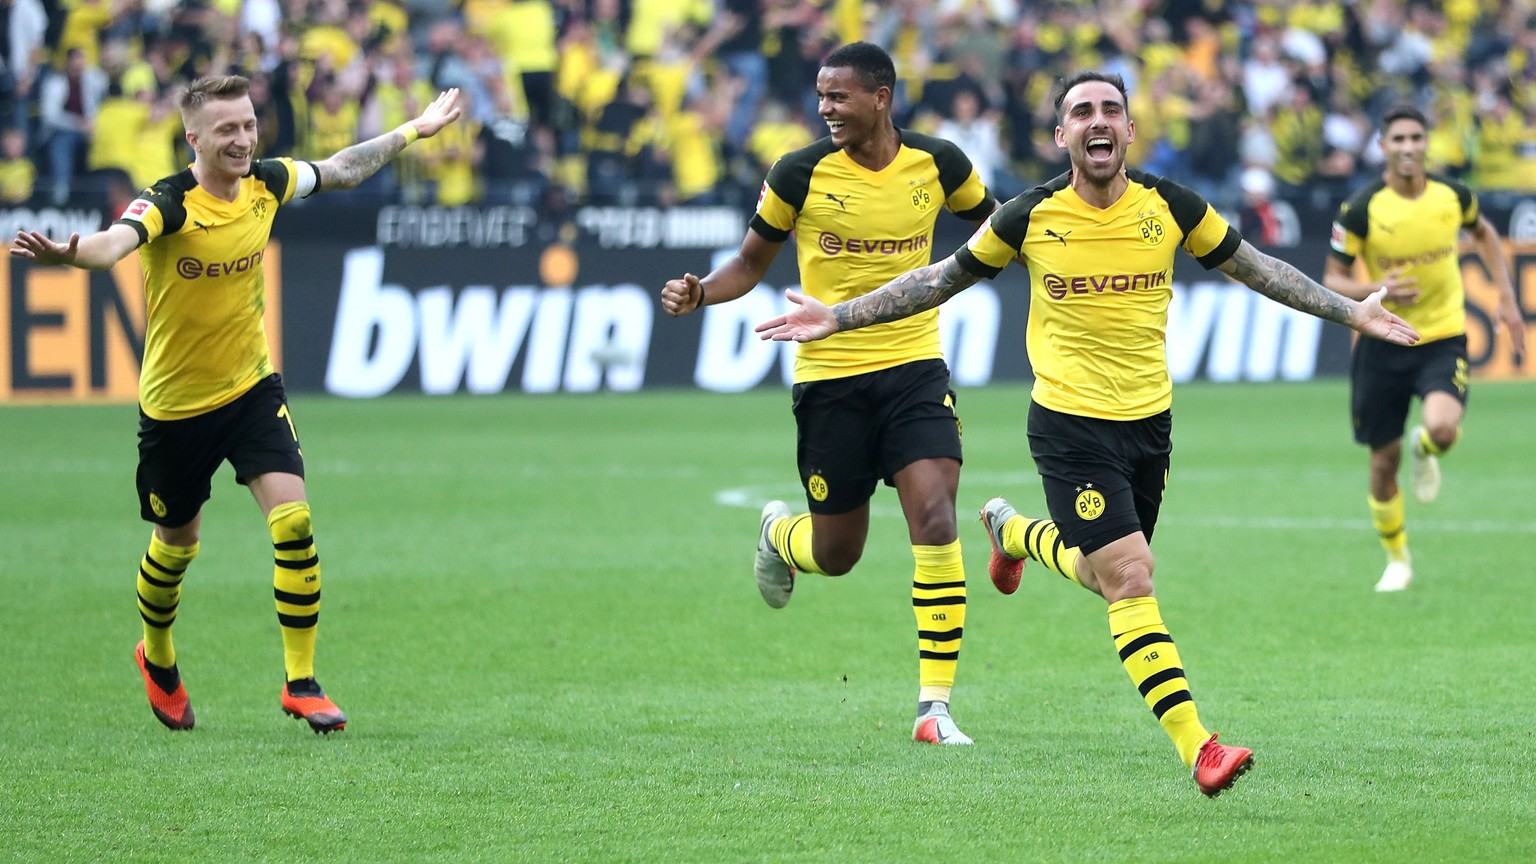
{"x": 208, "y": 392}
{"x": 1099, "y": 243}
{"x": 868, "y": 406}
{"x": 1406, "y": 226}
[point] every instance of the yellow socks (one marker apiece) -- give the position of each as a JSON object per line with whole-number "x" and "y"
{"x": 938, "y": 602}
{"x": 792, "y": 538}
{"x": 295, "y": 585}
{"x": 1039, "y": 540}
{"x": 1387, "y": 519}
{"x": 1152, "y": 661}
{"x": 1427, "y": 444}
{"x": 160, "y": 576}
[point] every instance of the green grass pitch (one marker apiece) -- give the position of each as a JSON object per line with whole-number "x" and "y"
{"x": 540, "y": 618}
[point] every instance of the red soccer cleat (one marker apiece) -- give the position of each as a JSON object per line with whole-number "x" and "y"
{"x": 1218, "y": 766}
{"x": 167, "y": 698}
{"x": 1005, "y": 570}
{"x": 305, "y": 700}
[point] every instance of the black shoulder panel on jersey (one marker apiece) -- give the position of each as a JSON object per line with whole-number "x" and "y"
{"x": 274, "y": 174}
{"x": 790, "y": 177}
{"x": 1464, "y": 196}
{"x": 1354, "y": 214}
{"x": 1011, "y": 221}
{"x": 169, "y": 196}
{"x": 954, "y": 167}
{"x": 1184, "y": 204}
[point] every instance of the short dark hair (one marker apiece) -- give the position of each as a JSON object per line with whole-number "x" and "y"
{"x": 1066, "y": 85}
{"x": 868, "y": 60}
{"x": 211, "y": 87}
{"x": 1404, "y": 112}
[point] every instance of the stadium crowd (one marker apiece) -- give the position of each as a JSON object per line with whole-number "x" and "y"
{"x": 690, "y": 101}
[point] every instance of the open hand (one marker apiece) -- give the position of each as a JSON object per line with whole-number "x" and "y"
{"x": 1374, "y": 320}
{"x": 40, "y": 250}
{"x": 443, "y": 110}
{"x": 1513, "y": 319}
{"x": 811, "y": 320}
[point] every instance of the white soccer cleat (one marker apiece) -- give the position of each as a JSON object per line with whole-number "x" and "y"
{"x": 775, "y": 578}
{"x": 1397, "y": 575}
{"x": 1425, "y": 469}
{"x": 935, "y": 726}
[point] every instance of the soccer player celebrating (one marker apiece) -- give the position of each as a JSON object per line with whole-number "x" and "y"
{"x": 1099, "y": 243}
{"x": 207, "y": 391}
{"x": 1407, "y": 227}
{"x": 874, "y": 405}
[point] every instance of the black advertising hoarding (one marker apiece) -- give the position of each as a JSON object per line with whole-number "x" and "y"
{"x": 427, "y": 302}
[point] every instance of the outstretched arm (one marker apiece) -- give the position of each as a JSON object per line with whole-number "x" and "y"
{"x": 1491, "y": 248}
{"x": 357, "y": 163}
{"x": 1285, "y": 284}
{"x": 906, "y": 295}
{"x": 738, "y": 275}
{"x": 93, "y": 252}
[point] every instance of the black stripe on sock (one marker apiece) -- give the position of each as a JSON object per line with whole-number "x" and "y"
{"x": 158, "y": 625}
{"x": 939, "y": 655}
{"x": 939, "y": 601}
{"x": 1158, "y": 678}
{"x": 161, "y": 567}
{"x": 157, "y": 582}
{"x": 1032, "y": 538}
{"x": 298, "y": 622}
{"x": 302, "y": 564}
{"x": 934, "y": 586}
{"x": 296, "y": 599}
{"x": 1176, "y": 698}
{"x": 294, "y": 545}
{"x": 1141, "y": 642}
{"x": 163, "y": 610}
{"x": 941, "y": 635}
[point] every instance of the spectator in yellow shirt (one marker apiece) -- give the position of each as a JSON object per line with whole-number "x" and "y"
{"x": 17, "y": 173}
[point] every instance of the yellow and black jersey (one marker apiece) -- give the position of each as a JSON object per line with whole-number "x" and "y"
{"x": 857, "y": 229}
{"x": 1100, "y": 283}
{"x": 1421, "y": 237}
{"x": 205, "y": 344}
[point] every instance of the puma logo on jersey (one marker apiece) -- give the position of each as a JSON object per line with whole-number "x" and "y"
{"x": 200, "y": 225}
{"x": 1061, "y": 237}
{"x": 841, "y": 202}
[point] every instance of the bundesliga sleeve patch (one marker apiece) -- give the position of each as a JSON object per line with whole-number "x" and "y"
{"x": 136, "y": 210}
{"x": 1336, "y": 238}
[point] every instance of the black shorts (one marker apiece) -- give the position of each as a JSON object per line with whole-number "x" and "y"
{"x": 177, "y": 458}
{"x": 855, "y": 431}
{"x": 1103, "y": 479}
{"x": 1384, "y": 378}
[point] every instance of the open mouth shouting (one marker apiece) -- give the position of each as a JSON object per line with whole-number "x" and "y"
{"x": 1100, "y": 149}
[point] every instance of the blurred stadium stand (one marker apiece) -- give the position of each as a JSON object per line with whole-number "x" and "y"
{"x": 661, "y": 102}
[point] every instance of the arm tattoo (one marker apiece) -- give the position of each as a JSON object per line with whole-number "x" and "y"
{"x": 357, "y": 163}
{"x": 1285, "y": 284}
{"x": 905, "y": 296}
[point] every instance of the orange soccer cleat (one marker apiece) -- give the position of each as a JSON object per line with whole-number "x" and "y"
{"x": 305, "y": 700}
{"x": 1218, "y": 766}
{"x": 1004, "y": 569}
{"x": 167, "y": 698}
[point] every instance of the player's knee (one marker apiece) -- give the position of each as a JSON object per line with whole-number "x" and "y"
{"x": 1125, "y": 577}
{"x": 935, "y": 525}
{"x": 838, "y": 561}
{"x": 290, "y": 522}
{"x": 1443, "y": 434}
